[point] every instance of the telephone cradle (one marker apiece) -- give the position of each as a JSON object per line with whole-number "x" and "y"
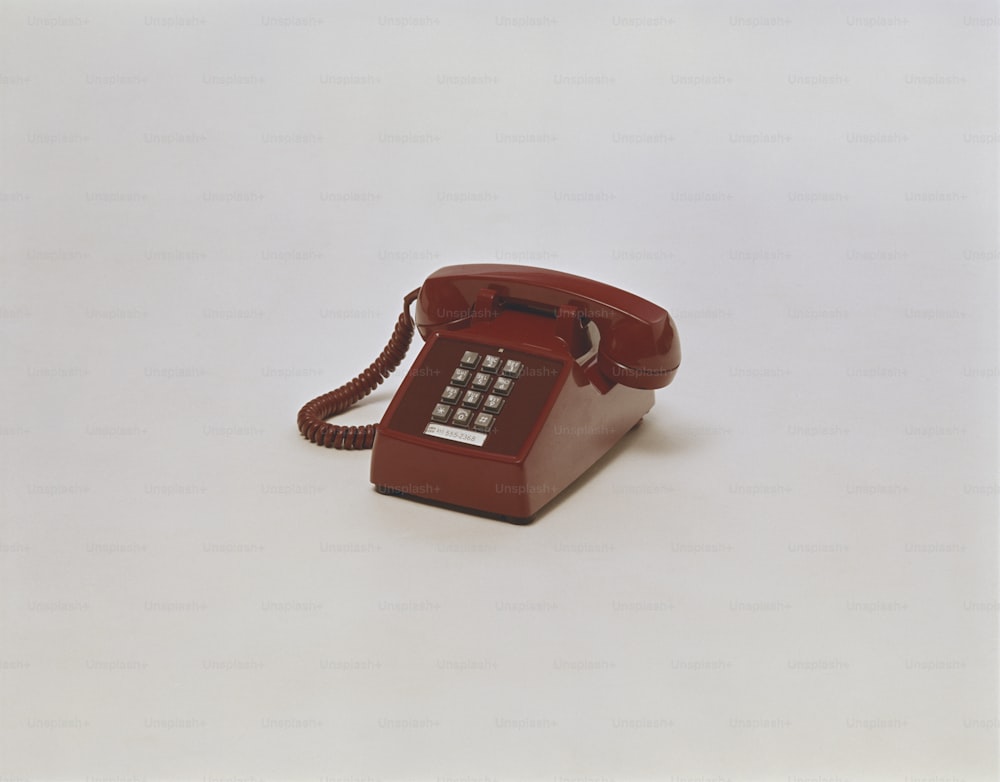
{"x": 526, "y": 378}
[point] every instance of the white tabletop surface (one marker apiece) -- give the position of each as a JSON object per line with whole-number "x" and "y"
{"x": 210, "y": 213}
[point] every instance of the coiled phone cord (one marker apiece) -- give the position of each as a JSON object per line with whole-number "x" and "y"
{"x": 313, "y": 415}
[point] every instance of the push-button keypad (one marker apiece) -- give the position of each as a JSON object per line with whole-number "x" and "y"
{"x": 511, "y": 368}
{"x": 493, "y": 403}
{"x": 477, "y": 391}
{"x": 483, "y": 422}
{"x": 491, "y": 364}
{"x": 503, "y": 386}
{"x": 462, "y": 417}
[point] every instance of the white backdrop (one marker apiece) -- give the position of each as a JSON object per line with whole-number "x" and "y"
{"x": 210, "y": 213}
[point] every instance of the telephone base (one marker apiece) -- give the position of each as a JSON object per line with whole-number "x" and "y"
{"x": 497, "y": 419}
{"x": 520, "y": 521}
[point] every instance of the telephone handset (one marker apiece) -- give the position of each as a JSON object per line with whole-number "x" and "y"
{"x": 526, "y": 378}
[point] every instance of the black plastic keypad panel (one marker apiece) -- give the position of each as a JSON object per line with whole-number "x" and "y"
{"x": 483, "y": 396}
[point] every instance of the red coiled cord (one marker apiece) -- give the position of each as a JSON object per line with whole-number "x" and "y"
{"x": 313, "y": 415}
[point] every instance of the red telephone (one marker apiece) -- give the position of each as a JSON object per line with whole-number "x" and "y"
{"x": 527, "y": 377}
